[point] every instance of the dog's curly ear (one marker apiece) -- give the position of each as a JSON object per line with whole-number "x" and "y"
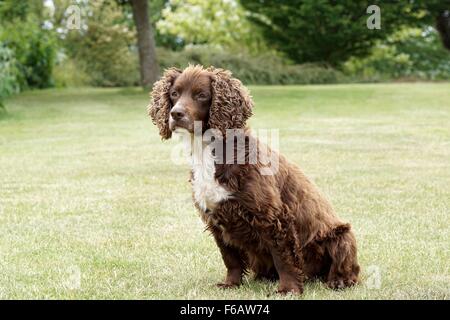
{"x": 160, "y": 105}
{"x": 231, "y": 103}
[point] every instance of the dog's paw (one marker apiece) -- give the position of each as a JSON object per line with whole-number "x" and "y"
{"x": 338, "y": 284}
{"x": 289, "y": 290}
{"x": 224, "y": 285}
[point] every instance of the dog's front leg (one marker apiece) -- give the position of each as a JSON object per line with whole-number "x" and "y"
{"x": 289, "y": 270}
{"x": 233, "y": 262}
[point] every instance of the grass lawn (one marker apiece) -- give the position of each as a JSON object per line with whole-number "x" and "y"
{"x": 92, "y": 207}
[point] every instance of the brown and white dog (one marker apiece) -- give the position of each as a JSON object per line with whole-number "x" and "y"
{"x": 277, "y": 225}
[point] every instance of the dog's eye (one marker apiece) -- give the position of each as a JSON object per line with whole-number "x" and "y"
{"x": 174, "y": 94}
{"x": 202, "y": 96}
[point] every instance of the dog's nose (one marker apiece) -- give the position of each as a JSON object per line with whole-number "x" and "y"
{"x": 177, "y": 112}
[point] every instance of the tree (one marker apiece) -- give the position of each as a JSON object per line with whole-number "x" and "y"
{"x": 213, "y": 22}
{"x": 8, "y": 75}
{"x": 332, "y": 31}
{"x": 104, "y": 46}
{"x": 111, "y": 32}
{"x": 146, "y": 43}
{"x": 443, "y": 26}
{"x": 31, "y": 42}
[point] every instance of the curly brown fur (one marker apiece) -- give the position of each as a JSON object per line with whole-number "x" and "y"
{"x": 231, "y": 105}
{"x": 278, "y": 226}
{"x": 160, "y": 107}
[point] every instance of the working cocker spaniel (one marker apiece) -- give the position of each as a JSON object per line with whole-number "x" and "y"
{"x": 277, "y": 225}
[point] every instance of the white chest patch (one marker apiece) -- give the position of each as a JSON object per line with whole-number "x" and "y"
{"x": 207, "y": 191}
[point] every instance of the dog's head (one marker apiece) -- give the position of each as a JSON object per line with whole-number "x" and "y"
{"x": 210, "y": 95}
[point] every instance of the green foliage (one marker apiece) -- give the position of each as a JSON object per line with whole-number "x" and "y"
{"x": 213, "y": 22}
{"x": 332, "y": 31}
{"x": 12, "y": 9}
{"x": 163, "y": 39}
{"x": 408, "y": 54}
{"x": 34, "y": 47}
{"x": 105, "y": 48}
{"x": 8, "y": 74}
{"x": 69, "y": 73}
{"x": 261, "y": 69}
{"x": 35, "y": 51}
{"x": 155, "y": 9}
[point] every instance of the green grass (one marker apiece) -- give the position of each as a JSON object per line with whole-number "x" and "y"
{"x": 92, "y": 207}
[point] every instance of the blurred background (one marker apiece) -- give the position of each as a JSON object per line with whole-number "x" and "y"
{"x": 116, "y": 43}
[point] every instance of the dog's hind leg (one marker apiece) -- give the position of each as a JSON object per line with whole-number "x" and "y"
{"x": 263, "y": 267}
{"x": 344, "y": 269}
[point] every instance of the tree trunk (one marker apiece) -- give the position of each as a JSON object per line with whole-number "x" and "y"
{"x": 443, "y": 26}
{"x": 147, "y": 54}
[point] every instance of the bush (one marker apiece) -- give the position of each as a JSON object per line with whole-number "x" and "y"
{"x": 105, "y": 50}
{"x": 68, "y": 73}
{"x": 261, "y": 69}
{"x": 411, "y": 54}
{"x": 8, "y": 74}
{"x": 34, "y": 50}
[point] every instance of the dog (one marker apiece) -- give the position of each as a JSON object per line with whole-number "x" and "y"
{"x": 278, "y": 225}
